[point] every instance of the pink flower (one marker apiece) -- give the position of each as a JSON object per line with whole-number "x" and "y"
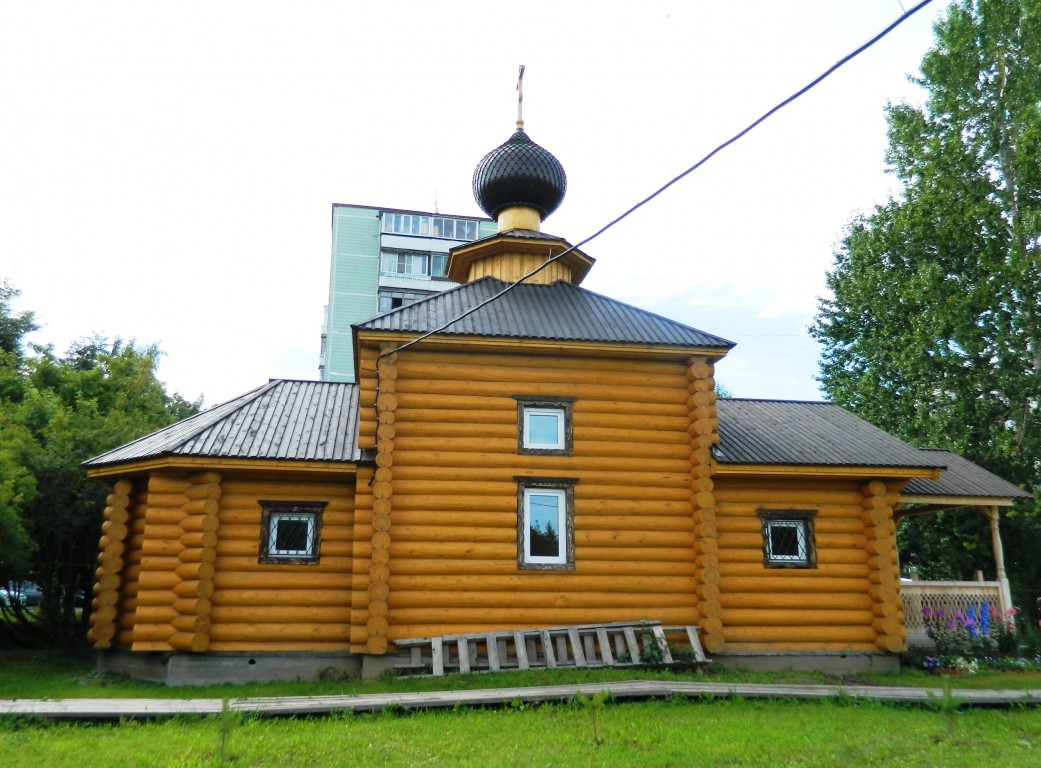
{"x": 1010, "y": 612}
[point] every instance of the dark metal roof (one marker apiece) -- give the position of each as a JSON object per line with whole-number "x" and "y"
{"x": 519, "y": 172}
{"x": 962, "y": 478}
{"x": 559, "y": 311}
{"x": 293, "y": 420}
{"x": 815, "y": 434}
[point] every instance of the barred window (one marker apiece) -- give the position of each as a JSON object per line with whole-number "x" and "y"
{"x": 290, "y": 531}
{"x": 788, "y": 538}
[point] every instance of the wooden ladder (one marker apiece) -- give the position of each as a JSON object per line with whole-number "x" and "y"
{"x": 583, "y": 645}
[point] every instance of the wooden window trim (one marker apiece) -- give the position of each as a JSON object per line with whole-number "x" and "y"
{"x": 802, "y": 517}
{"x": 567, "y": 486}
{"x": 309, "y": 508}
{"x": 562, "y": 404}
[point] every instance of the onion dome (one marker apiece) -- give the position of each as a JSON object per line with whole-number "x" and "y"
{"x": 519, "y": 173}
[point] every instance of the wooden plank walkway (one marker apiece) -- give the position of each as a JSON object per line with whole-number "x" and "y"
{"x": 633, "y": 690}
{"x": 616, "y": 644}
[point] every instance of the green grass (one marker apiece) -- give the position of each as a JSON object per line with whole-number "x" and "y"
{"x": 47, "y": 675}
{"x": 682, "y": 733}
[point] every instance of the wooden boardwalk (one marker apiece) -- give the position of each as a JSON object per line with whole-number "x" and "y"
{"x": 634, "y": 690}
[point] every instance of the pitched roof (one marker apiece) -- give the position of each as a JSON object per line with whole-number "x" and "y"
{"x": 293, "y": 420}
{"x": 559, "y": 311}
{"x": 962, "y": 478}
{"x": 815, "y": 434}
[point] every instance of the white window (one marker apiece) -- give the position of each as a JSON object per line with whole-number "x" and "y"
{"x": 402, "y": 263}
{"x": 290, "y": 532}
{"x": 544, "y": 428}
{"x": 545, "y": 523}
{"x": 544, "y": 424}
{"x": 788, "y": 539}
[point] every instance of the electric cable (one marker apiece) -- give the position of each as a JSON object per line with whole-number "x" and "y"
{"x": 676, "y": 179}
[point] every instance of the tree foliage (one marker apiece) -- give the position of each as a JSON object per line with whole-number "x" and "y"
{"x": 56, "y": 412}
{"x": 933, "y": 330}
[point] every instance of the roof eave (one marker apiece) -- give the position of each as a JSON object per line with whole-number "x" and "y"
{"x": 538, "y": 346}
{"x": 828, "y": 470}
{"x": 194, "y": 463}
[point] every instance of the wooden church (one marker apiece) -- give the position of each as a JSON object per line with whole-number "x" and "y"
{"x": 513, "y": 455}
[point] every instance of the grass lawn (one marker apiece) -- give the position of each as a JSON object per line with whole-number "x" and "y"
{"x": 714, "y": 732}
{"x": 682, "y": 733}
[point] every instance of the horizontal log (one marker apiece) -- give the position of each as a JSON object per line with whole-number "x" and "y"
{"x": 401, "y": 619}
{"x": 258, "y": 634}
{"x": 195, "y": 571}
{"x": 194, "y": 589}
{"x": 543, "y": 599}
{"x": 751, "y": 523}
{"x": 409, "y": 402}
{"x": 157, "y": 547}
{"x": 282, "y": 597}
{"x": 166, "y": 484}
{"x": 195, "y": 606}
{"x": 338, "y": 646}
{"x": 191, "y": 623}
{"x": 587, "y": 488}
{"x": 794, "y": 617}
{"x": 199, "y": 539}
{"x": 825, "y": 556}
{"x": 155, "y": 614}
{"x": 820, "y": 574}
{"x": 441, "y": 567}
{"x": 296, "y": 614}
{"x": 469, "y": 392}
{"x": 625, "y": 374}
{"x": 304, "y": 578}
{"x": 780, "y": 637}
{"x": 816, "y": 602}
{"x": 243, "y": 556}
{"x": 606, "y": 457}
{"x": 792, "y": 582}
{"x": 540, "y": 582}
{"x": 158, "y": 575}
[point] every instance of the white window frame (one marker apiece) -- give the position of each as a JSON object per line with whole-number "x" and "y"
{"x": 561, "y": 416}
{"x": 561, "y": 557}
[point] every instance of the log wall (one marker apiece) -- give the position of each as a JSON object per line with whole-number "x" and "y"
{"x": 279, "y": 606}
{"x": 436, "y": 536}
{"x": 850, "y": 601}
{"x": 110, "y": 575}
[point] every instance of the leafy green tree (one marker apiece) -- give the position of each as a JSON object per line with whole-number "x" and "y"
{"x": 933, "y": 330}
{"x": 56, "y": 413}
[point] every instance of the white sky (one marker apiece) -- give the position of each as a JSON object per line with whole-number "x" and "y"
{"x": 167, "y": 169}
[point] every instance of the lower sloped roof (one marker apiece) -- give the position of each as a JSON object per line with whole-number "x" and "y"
{"x": 291, "y": 420}
{"x": 786, "y": 432}
{"x": 963, "y": 478}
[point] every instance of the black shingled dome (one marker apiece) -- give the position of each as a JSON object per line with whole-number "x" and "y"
{"x": 519, "y": 172}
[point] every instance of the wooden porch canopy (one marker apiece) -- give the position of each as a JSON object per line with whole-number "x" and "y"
{"x": 964, "y": 484}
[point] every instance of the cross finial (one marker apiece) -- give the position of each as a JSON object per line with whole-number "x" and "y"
{"x": 520, "y": 98}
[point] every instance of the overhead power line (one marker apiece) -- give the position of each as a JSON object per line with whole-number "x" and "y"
{"x": 674, "y": 180}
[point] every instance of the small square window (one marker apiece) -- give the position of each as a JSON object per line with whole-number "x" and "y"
{"x": 545, "y": 523}
{"x": 544, "y": 425}
{"x": 290, "y": 532}
{"x": 788, "y": 539}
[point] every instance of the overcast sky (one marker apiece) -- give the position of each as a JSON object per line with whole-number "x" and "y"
{"x": 167, "y": 170}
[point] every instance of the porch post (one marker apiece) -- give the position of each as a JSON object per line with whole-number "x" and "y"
{"x": 994, "y": 516}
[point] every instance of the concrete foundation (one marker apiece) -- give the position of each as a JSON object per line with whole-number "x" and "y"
{"x": 828, "y": 662}
{"x": 181, "y": 669}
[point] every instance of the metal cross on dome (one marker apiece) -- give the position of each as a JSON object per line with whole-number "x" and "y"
{"x": 520, "y": 98}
